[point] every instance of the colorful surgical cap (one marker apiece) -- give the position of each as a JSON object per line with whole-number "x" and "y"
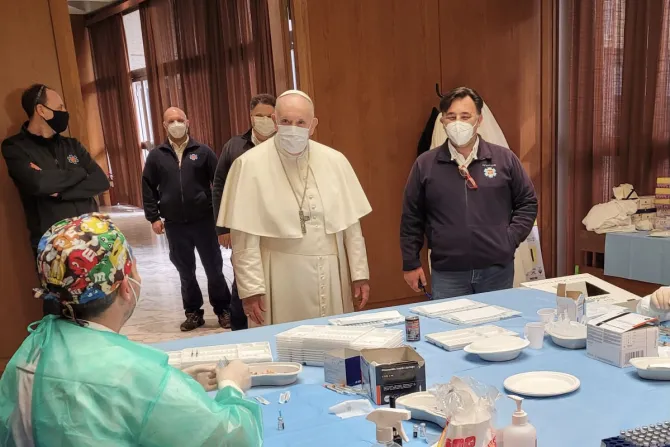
{"x": 86, "y": 256}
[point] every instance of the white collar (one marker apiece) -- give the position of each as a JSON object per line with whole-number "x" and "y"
{"x": 96, "y": 326}
{"x": 455, "y": 155}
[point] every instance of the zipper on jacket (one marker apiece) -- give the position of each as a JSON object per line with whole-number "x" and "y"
{"x": 181, "y": 189}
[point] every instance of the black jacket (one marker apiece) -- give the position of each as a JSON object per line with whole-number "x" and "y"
{"x": 56, "y": 178}
{"x": 178, "y": 193}
{"x": 235, "y": 147}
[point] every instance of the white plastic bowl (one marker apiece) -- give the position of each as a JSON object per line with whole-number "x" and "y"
{"x": 575, "y": 338}
{"x": 497, "y": 349}
{"x": 652, "y": 368}
{"x": 274, "y": 373}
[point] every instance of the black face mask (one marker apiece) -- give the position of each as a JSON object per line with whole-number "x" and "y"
{"x": 59, "y": 121}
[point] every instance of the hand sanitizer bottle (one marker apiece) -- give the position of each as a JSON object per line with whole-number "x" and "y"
{"x": 387, "y": 419}
{"x": 520, "y": 433}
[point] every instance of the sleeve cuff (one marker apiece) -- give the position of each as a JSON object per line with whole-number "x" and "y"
{"x": 222, "y": 230}
{"x": 408, "y": 266}
{"x": 224, "y": 383}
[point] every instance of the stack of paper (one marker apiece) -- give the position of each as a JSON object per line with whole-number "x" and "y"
{"x": 308, "y": 344}
{"x": 438, "y": 309}
{"x": 377, "y": 319}
{"x": 259, "y": 352}
{"x": 460, "y": 338}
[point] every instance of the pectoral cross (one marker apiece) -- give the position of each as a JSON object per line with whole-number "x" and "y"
{"x": 303, "y": 220}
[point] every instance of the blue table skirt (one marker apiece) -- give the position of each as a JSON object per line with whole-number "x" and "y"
{"x": 638, "y": 256}
{"x": 610, "y": 399}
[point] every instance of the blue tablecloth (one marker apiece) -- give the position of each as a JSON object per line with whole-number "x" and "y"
{"x": 610, "y": 399}
{"x": 638, "y": 256}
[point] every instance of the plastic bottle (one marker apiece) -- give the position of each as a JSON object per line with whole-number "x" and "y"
{"x": 387, "y": 419}
{"x": 520, "y": 433}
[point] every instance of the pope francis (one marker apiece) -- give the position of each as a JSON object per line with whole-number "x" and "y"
{"x": 293, "y": 206}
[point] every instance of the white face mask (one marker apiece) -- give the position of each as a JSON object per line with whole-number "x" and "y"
{"x": 263, "y": 125}
{"x": 459, "y": 132}
{"x": 292, "y": 139}
{"x": 139, "y": 290}
{"x": 177, "y": 130}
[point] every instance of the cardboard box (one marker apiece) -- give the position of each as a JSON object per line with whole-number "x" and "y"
{"x": 596, "y": 289}
{"x": 392, "y": 372}
{"x": 617, "y": 337}
{"x": 570, "y": 300}
{"x": 342, "y": 367}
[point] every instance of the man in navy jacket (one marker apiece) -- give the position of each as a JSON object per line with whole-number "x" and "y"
{"x": 177, "y": 188}
{"x": 472, "y": 201}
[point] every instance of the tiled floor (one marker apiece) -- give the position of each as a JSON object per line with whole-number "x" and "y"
{"x": 160, "y": 312}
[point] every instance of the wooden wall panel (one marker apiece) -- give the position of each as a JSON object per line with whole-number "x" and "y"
{"x": 507, "y": 54}
{"x": 371, "y": 67}
{"x": 32, "y": 57}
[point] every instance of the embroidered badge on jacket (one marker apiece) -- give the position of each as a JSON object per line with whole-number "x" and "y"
{"x": 72, "y": 159}
{"x": 490, "y": 172}
{"x": 193, "y": 157}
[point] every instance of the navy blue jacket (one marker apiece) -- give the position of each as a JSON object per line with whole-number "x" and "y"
{"x": 179, "y": 193}
{"x": 466, "y": 228}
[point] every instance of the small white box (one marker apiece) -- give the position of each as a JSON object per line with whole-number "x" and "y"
{"x": 618, "y": 337}
{"x": 570, "y": 300}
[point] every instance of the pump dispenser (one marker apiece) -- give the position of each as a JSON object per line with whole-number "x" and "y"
{"x": 520, "y": 433}
{"x": 386, "y": 419}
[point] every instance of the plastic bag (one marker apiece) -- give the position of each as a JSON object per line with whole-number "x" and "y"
{"x": 470, "y": 409}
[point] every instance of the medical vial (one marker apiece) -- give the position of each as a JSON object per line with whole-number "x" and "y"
{"x": 415, "y": 431}
{"x": 412, "y": 328}
{"x": 280, "y": 422}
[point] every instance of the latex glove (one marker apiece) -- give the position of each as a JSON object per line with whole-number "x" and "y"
{"x": 205, "y": 375}
{"x": 660, "y": 300}
{"x": 415, "y": 277}
{"x": 254, "y": 306}
{"x": 158, "y": 227}
{"x": 224, "y": 240}
{"x": 235, "y": 373}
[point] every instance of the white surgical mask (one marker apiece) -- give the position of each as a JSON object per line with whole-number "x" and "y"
{"x": 264, "y": 125}
{"x": 139, "y": 290}
{"x": 177, "y": 130}
{"x": 292, "y": 139}
{"x": 459, "y": 132}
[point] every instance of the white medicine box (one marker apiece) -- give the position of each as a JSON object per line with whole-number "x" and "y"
{"x": 619, "y": 336}
{"x": 570, "y": 300}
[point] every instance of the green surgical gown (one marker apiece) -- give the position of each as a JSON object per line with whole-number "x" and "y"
{"x": 96, "y": 388}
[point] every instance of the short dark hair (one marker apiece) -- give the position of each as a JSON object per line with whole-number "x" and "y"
{"x": 262, "y": 98}
{"x": 460, "y": 93}
{"x": 33, "y": 95}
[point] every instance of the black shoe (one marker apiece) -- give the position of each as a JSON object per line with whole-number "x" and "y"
{"x": 193, "y": 321}
{"x": 224, "y": 319}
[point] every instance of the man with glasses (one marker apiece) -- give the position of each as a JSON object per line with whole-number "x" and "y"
{"x": 54, "y": 174}
{"x": 472, "y": 201}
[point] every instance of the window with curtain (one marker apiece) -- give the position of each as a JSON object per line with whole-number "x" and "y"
{"x": 619, "y": 102}
{"x": 207, "y": 58}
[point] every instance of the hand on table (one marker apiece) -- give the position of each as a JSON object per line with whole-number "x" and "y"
{"x": 224, "y": 240}
{"x": 415, "y": 277}
{"x": 158, "y": 227}
{"x": 660, "y": 300}
{"x": 254, "y": 306}
{"x": 205, "y": 375}
{"x": 362, "y": 290}
{"x": 236, "y": 372}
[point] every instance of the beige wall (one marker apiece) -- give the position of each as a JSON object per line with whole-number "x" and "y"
{"x": 37, "y": 47}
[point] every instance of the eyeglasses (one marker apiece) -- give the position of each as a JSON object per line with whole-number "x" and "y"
{"x": 469, "y": 181}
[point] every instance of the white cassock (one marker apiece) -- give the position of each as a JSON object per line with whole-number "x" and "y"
{"x": 301, "y": 275}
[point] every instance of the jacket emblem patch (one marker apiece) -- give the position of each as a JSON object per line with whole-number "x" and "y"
{"x": 72, "y": 159}
{"x": 490, "y": 172}
{"x": 193, "y": 157}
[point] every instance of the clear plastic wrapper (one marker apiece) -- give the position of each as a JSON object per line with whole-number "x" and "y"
{"x": 470, "y": 409}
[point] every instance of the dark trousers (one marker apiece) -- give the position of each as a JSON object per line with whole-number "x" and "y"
{"x": 183, "y": 240}
{"x": 238, "y": 320}
{"x": 454, "y": 284}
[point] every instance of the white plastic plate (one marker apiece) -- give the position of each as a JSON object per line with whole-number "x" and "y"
{"x": 652, "y": 368}
{"x": 274, "y": 373}
{"x": 541, "y": 384}
{"x": 497, "y": 349}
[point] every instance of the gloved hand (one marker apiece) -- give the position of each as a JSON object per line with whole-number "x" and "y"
{"x": 236, "y": 372}
{"x": 205, "y": 375}
{"x": 660, "y": 300}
